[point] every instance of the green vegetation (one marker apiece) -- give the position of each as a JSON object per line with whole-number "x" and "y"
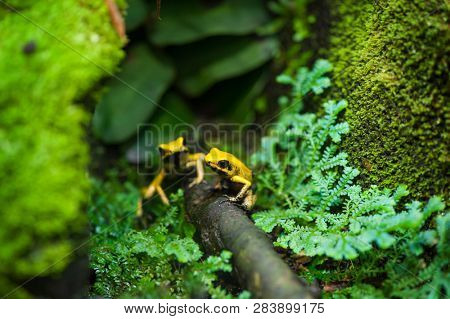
{"x": 196, "y": 50}
{"x": 344, "y": 191}
{"x": 161, "y": 261}
{"x": 43, "y": 155}
{"x": 198, "y": 21}
{"x": 397, "y": 249}
{"x": 292, "y": 20}
{"x": 390, "y": 64}
{"x": 353, "y": 192}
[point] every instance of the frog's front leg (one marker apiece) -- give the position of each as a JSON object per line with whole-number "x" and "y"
{"x": 247, "y": 184}
{"x": 197, "y": 161}
{"x": 155, "y": 185}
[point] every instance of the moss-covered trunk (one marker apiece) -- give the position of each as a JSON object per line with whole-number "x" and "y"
{"x": 51, "y": 53}
{"x": 391, "y": 63}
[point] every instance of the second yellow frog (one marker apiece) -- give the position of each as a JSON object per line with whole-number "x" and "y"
{"x": 175, "y": 156}
{"x": 232, "y": 170}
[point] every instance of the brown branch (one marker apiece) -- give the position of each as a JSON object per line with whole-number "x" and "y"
{"x": 223, "y": 225}
{"x": 116, "y": 19}
{"x": 158, "y": 9}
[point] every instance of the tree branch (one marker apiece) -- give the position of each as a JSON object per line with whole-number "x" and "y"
{"x": 223, "y": 225}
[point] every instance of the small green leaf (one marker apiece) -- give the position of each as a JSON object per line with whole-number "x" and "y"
{"x": 185, "y": 250}
{"x": 343, "y": 249}
{"x": 400, "y": 192}
{"x": 435, "y": 204}
{"x": 269, "y": 219}
{"x": 285, "y": 79}
{"x": 384, "y": 240}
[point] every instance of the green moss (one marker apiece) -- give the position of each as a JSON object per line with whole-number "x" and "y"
{"x": 43, "y": 154}
{"x": 390, "y": 59}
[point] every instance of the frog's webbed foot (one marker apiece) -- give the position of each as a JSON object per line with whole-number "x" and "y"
{"x": 247, "y": 202}
{"x": 226, "y": 198}
{"x": 233, "y": 199}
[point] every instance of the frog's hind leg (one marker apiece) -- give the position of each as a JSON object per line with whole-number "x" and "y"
{"x": 139, "y": 210}
{"x": 163, "y": 196}
{"x": 197, "y": 161}
{"x": 155, "y": 185}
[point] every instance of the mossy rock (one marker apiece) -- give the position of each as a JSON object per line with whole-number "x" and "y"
{"x": 52, "y": 54}
{"x": 391, "y": 63}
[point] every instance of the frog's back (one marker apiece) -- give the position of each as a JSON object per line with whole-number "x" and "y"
{"x": 244, "y": 171}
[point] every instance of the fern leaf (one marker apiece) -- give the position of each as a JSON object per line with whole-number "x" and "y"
{"x": 332, "y": 220}
{"x": 185, "y": 249}
{"x": 268, "y": 220}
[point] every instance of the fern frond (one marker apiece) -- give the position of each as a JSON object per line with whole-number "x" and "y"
{"x": 400, "y": 192}
{"x": 337, "y": 130}
{"x": 328, "y": 161}
{"x": 353, "y": 234}
{"x": 333, "y": 195}
{"x": 268, "y": 220}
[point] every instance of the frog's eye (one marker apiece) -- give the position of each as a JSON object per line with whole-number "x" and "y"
{"x": 224, "y": 164}
{"x": 161, "y": 151}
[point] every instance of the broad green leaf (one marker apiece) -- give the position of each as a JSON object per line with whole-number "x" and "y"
{"x": 204, "y": 63}
{"x": 132, "y": 96}
{"x": 162, "y": 127}
{"x": 239, "y": 107}
{"x": 190, "y": 20}
{"x": 137, "y": 11}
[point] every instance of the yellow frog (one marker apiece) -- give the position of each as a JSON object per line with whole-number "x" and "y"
{"x": 232, "y": 170}
{"x": 175, "y": 157}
